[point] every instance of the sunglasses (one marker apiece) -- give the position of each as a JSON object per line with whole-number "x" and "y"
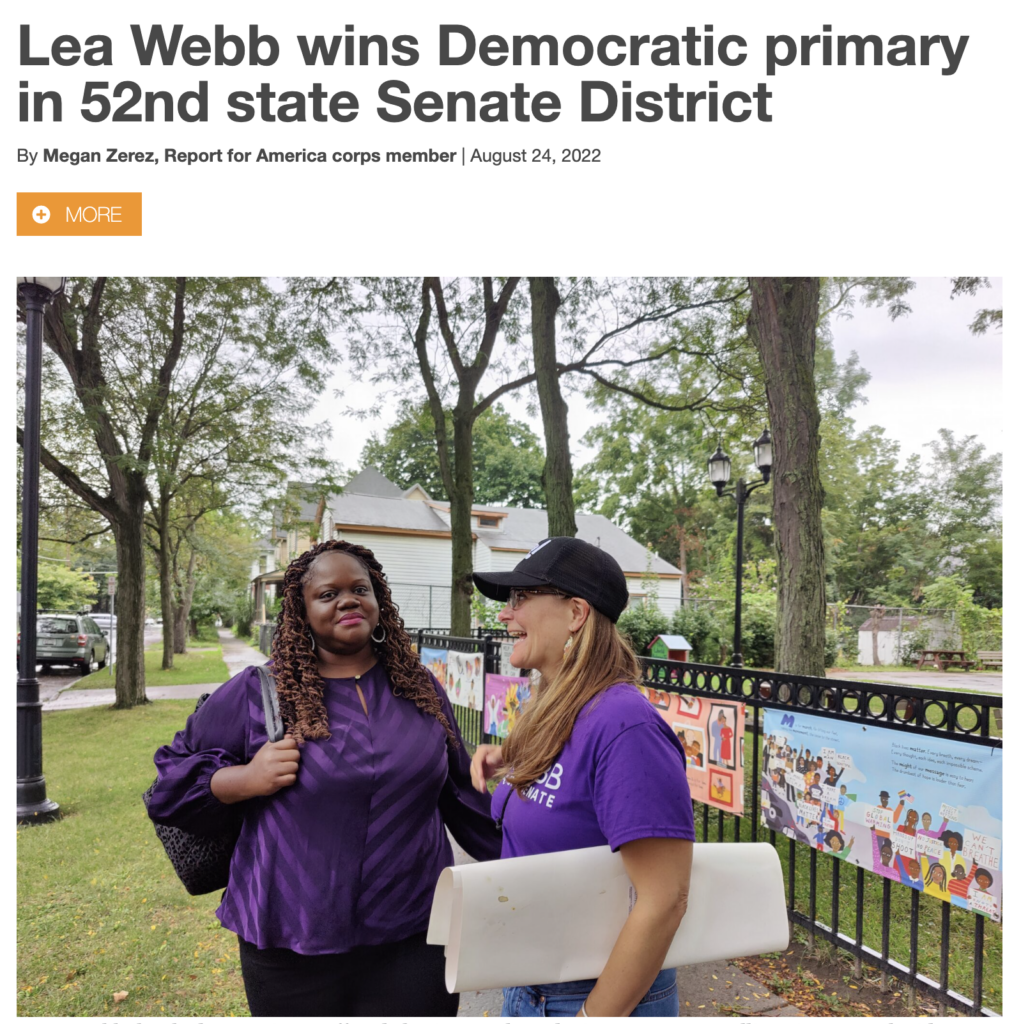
{"x": 517, "y": 597}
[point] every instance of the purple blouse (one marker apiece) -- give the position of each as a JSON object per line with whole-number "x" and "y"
{"x": 349, "y": 855}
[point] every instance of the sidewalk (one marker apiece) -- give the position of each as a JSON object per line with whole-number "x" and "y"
{"x": 236, "y": 654}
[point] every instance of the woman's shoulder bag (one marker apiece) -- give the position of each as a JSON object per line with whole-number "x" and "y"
{"x": 203, "y": 862}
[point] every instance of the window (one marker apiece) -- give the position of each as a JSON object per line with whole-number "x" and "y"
{"x": 492, "y": 522}
{"x": 262, "y": 564}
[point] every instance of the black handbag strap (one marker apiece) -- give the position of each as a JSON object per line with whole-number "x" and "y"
{"x": 270, "y": 705}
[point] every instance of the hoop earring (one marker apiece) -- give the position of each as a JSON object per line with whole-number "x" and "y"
{"x": 311, "y": 638}
{"x": 379, "y": 639}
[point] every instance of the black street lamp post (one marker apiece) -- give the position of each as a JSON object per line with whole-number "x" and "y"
{"x": 719, "y": 474}
{"x": 33, "y": 805}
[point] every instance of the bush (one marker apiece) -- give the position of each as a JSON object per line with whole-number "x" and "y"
{"x": 758, "y": 630}
{"x": 699, "y": 627}
{"x": 832, "y": 647}
{"x": 244, "y": 612}
{"x": 640, "y": 625}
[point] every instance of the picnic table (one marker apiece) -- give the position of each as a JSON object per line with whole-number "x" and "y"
{"x": 943, "y": 660}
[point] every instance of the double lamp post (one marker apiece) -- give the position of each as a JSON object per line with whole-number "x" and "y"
{"x": 33, "y": 805}
{"x": 719, "y": 475}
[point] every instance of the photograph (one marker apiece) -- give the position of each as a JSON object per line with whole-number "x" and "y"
{"x": 355, "y": 579}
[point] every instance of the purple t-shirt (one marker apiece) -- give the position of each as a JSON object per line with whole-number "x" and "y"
{"x": 349, "y": 855}
{"x": 619, "y": 777}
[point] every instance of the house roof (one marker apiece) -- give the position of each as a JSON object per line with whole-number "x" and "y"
{"x": 371, "y": 481}
{"x": 395, "y": 513}
{"x": 673, "y": 642}
{"x": 525, "y": 527}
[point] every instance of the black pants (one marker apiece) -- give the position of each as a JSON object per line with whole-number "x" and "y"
{"x": 403, "y": 977}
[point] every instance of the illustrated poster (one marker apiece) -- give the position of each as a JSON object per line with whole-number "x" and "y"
{"x": 435, "y": 659}
{"x": 465, "y": 673}
{"x": 712, "y": 734}
{"x": 505, "y": 697}
{"x": 922, "y": 810}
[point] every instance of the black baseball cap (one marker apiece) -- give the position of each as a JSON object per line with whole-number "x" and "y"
{"x": 574, "y": 566}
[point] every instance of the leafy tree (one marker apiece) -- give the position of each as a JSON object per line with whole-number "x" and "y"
{"x": 242, "y": 367}
{"x": 121, "y": 405}
{"x": 965, "y": 486}
{"x": 980, "y": 628}
{"x": 985, "y": 319}
{"x": 125, "y": 358}
{"x": 507, "y": 457}
{"x": 61, "y": 588}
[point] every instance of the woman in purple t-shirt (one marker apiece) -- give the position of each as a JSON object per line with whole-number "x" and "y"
{"x": 589, "y": 763}
{"x": 342, "y": 837}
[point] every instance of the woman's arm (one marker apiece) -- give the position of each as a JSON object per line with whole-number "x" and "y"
{"x": 274, "y": 766}
{"x": 464, "y": 810}
{"x": 660, "y": 871}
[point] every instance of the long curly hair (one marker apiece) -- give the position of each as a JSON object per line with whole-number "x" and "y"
{"x": 296, "y": 668}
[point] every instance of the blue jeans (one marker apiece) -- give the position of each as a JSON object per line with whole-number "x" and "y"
{"x": 565, "y": 998}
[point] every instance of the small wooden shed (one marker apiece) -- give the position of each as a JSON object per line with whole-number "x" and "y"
{"x": 673, "y": 648}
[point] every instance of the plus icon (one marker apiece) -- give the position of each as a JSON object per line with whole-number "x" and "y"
{"x": 41, "y": 214}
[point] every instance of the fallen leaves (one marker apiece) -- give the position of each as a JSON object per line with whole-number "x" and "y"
{"x": 119, "y": 997}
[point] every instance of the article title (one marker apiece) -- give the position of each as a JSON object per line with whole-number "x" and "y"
{"x": 599, "y": 98}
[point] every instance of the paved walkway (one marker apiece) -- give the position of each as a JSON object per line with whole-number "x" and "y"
{"x": 984, "y": 682}
{"x": 236, "y": 653}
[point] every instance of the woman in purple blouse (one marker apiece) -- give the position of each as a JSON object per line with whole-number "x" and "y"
{"x": 591, "y": 763}
{"x": 342, "y": 837}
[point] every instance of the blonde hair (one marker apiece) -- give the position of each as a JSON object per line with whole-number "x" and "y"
{"x": 598, "y": 658}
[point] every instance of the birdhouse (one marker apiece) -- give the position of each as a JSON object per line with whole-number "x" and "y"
{"x": 672, "y": 648}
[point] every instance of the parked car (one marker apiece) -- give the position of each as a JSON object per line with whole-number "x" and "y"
{"x": 70, "y": 639}
{"x": 106, "y": 622}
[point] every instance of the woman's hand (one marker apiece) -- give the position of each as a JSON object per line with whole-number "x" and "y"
{"x": 488, "y": 760}
{"x": 274, "y": 766}
{"x": 660, "y": 871}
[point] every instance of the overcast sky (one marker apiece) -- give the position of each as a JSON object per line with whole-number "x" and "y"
{"x": 927, "y": 372}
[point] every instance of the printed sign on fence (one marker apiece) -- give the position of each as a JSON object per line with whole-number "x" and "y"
{"x": 464, "y": 679}
{"x": 922, "y": 810}
{"x": 435, "y": 659}
{"x": 712, "y": 733}
{"x": 505, "y": 697}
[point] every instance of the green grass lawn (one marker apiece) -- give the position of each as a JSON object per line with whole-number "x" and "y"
{"x": 100, "y": 909}
{"x": 191, "y": 667}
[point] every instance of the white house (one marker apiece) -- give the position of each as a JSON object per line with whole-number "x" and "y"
{"x": 410, "y": 535}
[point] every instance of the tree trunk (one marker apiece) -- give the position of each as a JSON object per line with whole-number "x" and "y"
{"x": 166, "y": 593}
{"x": 782, "y": 327}
{"x": 129, "y": 673}
{"x": 182, "y": 603}
{"x": 557, "y": 474}
{"x": 461, "y": 526}
{"x": 877, "y": 617}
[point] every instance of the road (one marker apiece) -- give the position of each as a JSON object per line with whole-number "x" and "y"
{"x": 58, "y": 679}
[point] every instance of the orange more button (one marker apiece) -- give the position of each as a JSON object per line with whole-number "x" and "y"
{"x": 79, "y": 213}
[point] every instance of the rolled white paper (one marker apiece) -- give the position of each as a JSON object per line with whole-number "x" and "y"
{"x": 556, "y": 916}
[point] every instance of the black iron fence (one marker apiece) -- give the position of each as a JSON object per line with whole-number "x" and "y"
{"x": 925, "y": 943}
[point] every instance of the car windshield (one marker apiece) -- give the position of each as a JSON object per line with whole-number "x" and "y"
{"x": 57, "y": 626}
